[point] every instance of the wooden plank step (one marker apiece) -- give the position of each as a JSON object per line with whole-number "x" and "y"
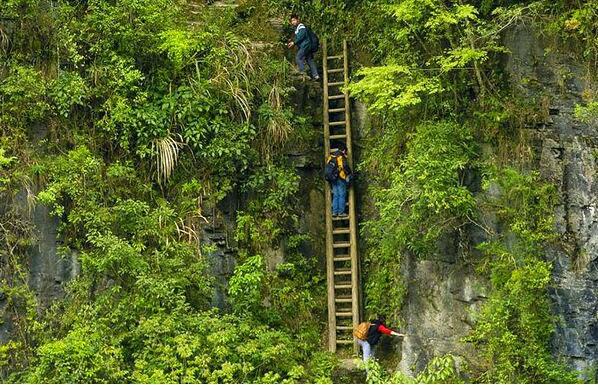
{"x": 333, "y": 110}
{"x": 344, "y": 328}
{"x": 336, "y": 70}
{"x": 335, "y": 57}
{"x": 344, "y": 299}
{"x": 333, "y": 124}
{"x": 341, "y": 231}
{"x": 341, "y": 245}
{"x": 344, "y": 314}
{"x": 344, "y": 342}
{"x": 342, "y": 258}
{"x": 333, "y": 97}
{"x": 343, "y": 286}
{"x": 342, "y": 272}
{"x": 343, "y": 218}
{"x": 336, "y": 84}
{"x": 333, "y": 137}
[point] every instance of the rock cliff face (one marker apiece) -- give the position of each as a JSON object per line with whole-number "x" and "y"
{"x": 444, "y": 294}
{"x": 567, "y": 155}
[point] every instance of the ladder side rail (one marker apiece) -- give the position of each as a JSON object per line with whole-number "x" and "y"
{"x": 352, "y": 212}
{"x": 328, "y": 215}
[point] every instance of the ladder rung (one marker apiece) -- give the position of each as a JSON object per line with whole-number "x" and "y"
{"x": 344, "y": 342}
{"x": 342, "y": 258}
{"x": 334, "y": 84}
{"x": 336, "y": 97}
{"x": 332, "y": 124}
{"x": 344, "y": 314}
{"x": 335, "y": 57}
{"x": 343, "y": 272}
{"x": 341, "y": 245}
{"x": 343, "y": 286}
{"x": 333, "y": 137}
{"x": 344, "y": 328}
{"x": 336, "y": 70}
{"x": 341, "y": 231}
{"x": 333, "y": 110}
{"x": 343, "y": 218}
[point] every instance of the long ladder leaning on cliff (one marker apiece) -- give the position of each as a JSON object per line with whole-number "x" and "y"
{"x": 341, "y": 233}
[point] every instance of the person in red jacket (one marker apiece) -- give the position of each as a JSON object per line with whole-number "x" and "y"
{"x": 377, "y": 328}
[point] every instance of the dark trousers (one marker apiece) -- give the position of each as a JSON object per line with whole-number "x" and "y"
{"x": 305, "y": 55}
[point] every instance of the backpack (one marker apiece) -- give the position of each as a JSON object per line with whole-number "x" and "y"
{"x": 331, "y": 171}
{"x": 361, "y": 331}
{"x": 314, "y": 41}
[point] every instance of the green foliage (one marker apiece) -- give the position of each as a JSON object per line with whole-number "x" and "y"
{"x": 180, "y": 46}
{"x": 274, "y": 191}
{"x": 67, "y": 91}
{"x": 208, "y": 348}
{"x": 21, "y": 308}
{"x": 587, "y": 114}
{"x": 23, "y": 97}
{"x": 72, "y": 175}
{"x": 440, "y": 370}
{"x": 422, "y": 199}
{"x": 145, "y": 321}
{"x": 180, "y": 347}
{"x": 326, "y": 17}
{"x": 81, "y": 356}
{"x": 514, "y": 327}
{"x": 392, "y": 88}
{"x": 100, "y": 99}
{"x": 246, "y": 285}
{"x": 5, "y": 162}
{"x": 290, "y": 294}
{"x": 573, "y": 25}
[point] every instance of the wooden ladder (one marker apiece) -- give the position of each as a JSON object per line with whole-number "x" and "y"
{"x": 341, "y": 233}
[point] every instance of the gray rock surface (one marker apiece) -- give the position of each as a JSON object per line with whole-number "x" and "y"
{"x": 566, "y": 151}
{"x": 441, "y": 303}
{"x": 444, "y": 295}
{"x": 49, "y": 269}
{"x": 218, "y": 246}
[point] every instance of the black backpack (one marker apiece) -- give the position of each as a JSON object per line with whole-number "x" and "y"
{"x": 314, "y": 41}
{"x": 331, "y": 171}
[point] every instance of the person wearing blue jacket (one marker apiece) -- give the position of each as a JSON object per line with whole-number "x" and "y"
{"x": 305, "y": 51}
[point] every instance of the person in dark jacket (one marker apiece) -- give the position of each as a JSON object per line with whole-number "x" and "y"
{"x": 377, "y": 328}
{"x": 304, "y": 48}
{"x": 340, "y": 185}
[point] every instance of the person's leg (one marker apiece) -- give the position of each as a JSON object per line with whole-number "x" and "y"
{"x": 366, "y": 349}
{"x": 335, "y": 197}
{"x": 342, "y": 204}
{"x": 339, "y": 193}
{"x": 301, "y": 59}
{"x": 312, "y": 65}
